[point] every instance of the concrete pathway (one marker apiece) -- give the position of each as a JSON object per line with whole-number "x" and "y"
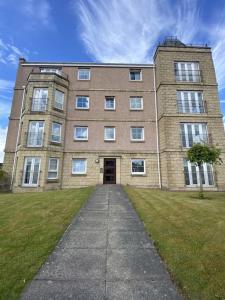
{"x": 104, "y": 254}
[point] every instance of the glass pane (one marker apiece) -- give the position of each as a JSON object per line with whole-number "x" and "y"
{"x": 59, "y": 99}
{"x": 78, "y": 166}
{"x": 186, "y": 173}
{"x": 53, "y": 162}
{"x": 109, "y": 133}
{"x": 138, "y": 166}
{"x": 27, "y": 171}
{"x": 137, "y": 133}
{"x": 82, "y": 102}
{"x": 136, "y": 103}
{"x": 110, "y": 103}
{"x": 194, "y": 174}
{"x": 210, "y": 174}
{"x": 84, "y": 74}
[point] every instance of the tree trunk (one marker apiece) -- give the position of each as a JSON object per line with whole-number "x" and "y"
{"x": 201, "y": 194}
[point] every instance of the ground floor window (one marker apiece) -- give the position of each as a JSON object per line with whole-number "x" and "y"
{"x": 31, "y": 171}
{"x": 53, "y": 168}
{"x": 138, "y": 166}
{"x": 79, "y": 166}
{"x": 192, "y": 174}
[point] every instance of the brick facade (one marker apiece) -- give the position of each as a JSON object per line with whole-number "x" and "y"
{"x": 163, "y": 168}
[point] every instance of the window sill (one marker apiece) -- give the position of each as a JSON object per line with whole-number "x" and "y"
{"x": 109, "y": 109}
{"x": 56, "y": 143}
{"x": 52, "y": 180}
{"x": 78, "y": 108}
{"x": 58, "y": 109}
{"x": 80, "y": 140}
{"x": 138, "y": 175}
{"x": 136, "y": 109}
{"x": 110, "y": 141}
{"x": 79, "y": 174}
{"x": 138, "y": 141}
{"x": 35, "y": 112}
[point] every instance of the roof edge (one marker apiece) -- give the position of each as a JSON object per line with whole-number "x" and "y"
{"x": 86, "y": 64}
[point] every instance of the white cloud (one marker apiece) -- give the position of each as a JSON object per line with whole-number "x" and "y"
{"x": 9, "y": 53}
{"x": 6, "y": 85}
{"x": 3, "y": 134}
{"x": 39, "y": 12}
{"x": 129, "y": 30}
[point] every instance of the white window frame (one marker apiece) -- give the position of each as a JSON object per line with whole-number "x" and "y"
{"x": 53, "y": 170}
{"x": 194, "y": 67}
{"x": 30, "y": 184}
{"x": 39, "y": 101}
{"x": 60, "y": 134}
{"x": 35, "y": 133}
{"x": 143, "y": 134}
{"x": 202, "y": 129}
{"x": 114, "y": 103}
{"x": 85, "y": 164}
{"x": 84, "y": 108}
{"x": 185, "y": 101}
{"x": 138, "y": 173}
{"x": 135, "y": 70}
{"x": 55, "y": 102}
{"x": 114, "y": 133}
{"x": 84, "y": 69}
{"x": 135, "y": 98}
{"x": 205, "y": 171}
{"x": 75, "y": 133}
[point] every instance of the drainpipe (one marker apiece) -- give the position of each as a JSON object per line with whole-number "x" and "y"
{"x": 17, "y": 138}
{"x": 157, "y": 129}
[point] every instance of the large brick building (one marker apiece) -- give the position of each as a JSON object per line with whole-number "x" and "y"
{"x": 79, "y": 124}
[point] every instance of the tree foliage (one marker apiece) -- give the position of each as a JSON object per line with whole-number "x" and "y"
{"x": 199, "y": 154}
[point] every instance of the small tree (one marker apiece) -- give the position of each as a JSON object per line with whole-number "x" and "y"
{"x": 200, "y": 154}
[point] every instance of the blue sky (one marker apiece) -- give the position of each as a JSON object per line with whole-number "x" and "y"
{"x": 102, "y": 31}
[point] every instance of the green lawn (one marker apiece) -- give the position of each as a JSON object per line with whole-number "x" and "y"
{"x": 30, "y": 226}
{"x": 190, "y": 236}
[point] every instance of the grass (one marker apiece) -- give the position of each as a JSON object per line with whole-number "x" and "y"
{"x": 30, "y": 226}
{"x": 190, "y": 236}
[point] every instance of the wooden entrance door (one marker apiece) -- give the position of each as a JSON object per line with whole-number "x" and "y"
{"x": 109, "y": 171}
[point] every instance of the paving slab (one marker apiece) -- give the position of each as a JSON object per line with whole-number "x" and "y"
{"x": 105, "y": 253}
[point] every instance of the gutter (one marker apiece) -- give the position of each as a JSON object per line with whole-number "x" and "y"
{"x": 157, "y": 129}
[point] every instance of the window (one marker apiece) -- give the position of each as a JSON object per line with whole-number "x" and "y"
{"x": 192, "y": 174}
{"x": 51, "y": 70}
{"x": 31, "y": 171}
{"x": 109, "y": 134}
{"x": 79, "y": 166}
{"x": 135, "y": 75}
{"x": 53, "y": 164}
{"x": 82, "y": 102}
{"x": 190, "y": 102}
{"x": 40, "y": 99}
{"x": 187, "y": 71}
{"x": 137, "y": 133}
{"x": 110, "y": 103}
{"x": 193, "y": 133}
{"x": 59, "y": 99}
{"x": 35, "y": 134}
{"x": 56, "y": 132}
{"x": 138, "y": 166}
{"x": 81, "y": 133}
{"x": 136, "y": 103}
{"x": 84, "y": 74}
